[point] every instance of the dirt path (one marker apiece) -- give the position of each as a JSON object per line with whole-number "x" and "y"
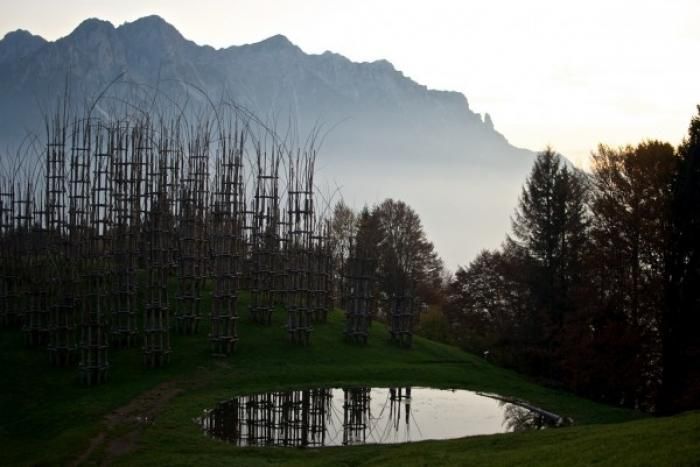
{"x": 129, "y": 422}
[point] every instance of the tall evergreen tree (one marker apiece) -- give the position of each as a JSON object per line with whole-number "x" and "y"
{"x": 549, "y": 225}
{"x": 549, "y": 228}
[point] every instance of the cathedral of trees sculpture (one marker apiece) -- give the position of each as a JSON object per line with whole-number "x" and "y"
{"x": 115, "y": 235}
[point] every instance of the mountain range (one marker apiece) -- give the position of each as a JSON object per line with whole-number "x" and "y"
{"x": 384, "y": 135}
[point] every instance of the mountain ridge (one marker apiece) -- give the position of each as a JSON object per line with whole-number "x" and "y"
{"x": 109, "y": 51}
{"x": 384, "y": 134}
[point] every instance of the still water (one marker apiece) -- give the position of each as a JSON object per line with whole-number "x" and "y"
{"x": 351, "y": 416}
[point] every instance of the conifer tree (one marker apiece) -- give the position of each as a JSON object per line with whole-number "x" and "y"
{"x": 549, "y": 230}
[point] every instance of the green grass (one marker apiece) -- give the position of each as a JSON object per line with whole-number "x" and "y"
{"x": 652, "y": 442}
{"x": 46, "y": 417}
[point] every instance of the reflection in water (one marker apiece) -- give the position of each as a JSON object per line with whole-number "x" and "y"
{"x": 295, "y": 418}
{"x": 517, "y": 418}
{"x": 352, "y": 416}
{"x": 396, "y": 397}
{"x": 356, "y": 415}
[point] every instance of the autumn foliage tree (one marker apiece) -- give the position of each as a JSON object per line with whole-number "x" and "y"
{"x": 598, "y": 285}
{"x": 406, "y": 257}
{"x": 485, "y": 303}
{"x": 680, "y": 379}
{"x": 392, "y": 233}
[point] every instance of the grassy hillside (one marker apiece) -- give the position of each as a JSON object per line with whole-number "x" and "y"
{"x": 46, "y": 417}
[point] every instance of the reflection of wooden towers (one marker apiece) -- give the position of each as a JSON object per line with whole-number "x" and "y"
{"x": 403, "y": 312}
{"x": 264, "y": 244}
{"x": 95, "y": 272}
{"x": 400, "y": 398}
{"x": 226, "y": 245}
{"x": 293, "y": 419}
{"x": 156, "y": 323}
{"x": 358, "y": 287}
{"x": 356, "y": 415}
{"x": 192, "y": 250}
{"x": 300, "y": 218}
{"x": 319, "y": 414}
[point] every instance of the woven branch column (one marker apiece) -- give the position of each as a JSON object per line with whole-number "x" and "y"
{"x": 358, "y": 301}
{"x": 95, "y": 270}
{"x": 403, "y": 313}
{"x": 226, "y": 249}
{"x": 265, "y": 244}
{"x": 192, "y": 259}
{"x": 126, "y": 178}
{"x": 300, "y": 212}
{"x": 156, "y": 320}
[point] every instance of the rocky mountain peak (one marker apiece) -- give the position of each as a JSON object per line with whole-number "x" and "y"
{"x": 90, "y": 27}
{"x": 19, "y": 44}
{"x": 488, "y": 121}
{"x": 276, "y": 43}
{"x": 151, "y": 27}
{"x": 19, "y": 35}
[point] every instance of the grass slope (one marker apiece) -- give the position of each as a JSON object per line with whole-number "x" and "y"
{"x": 46, "y": 417}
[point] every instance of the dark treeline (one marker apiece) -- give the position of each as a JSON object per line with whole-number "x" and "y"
{"x": 597, "y": 287}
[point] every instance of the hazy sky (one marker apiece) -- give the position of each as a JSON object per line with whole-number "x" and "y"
{"x": 569, "y": 74}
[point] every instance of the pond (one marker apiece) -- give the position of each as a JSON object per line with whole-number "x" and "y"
{"x": 351, "y": 416}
